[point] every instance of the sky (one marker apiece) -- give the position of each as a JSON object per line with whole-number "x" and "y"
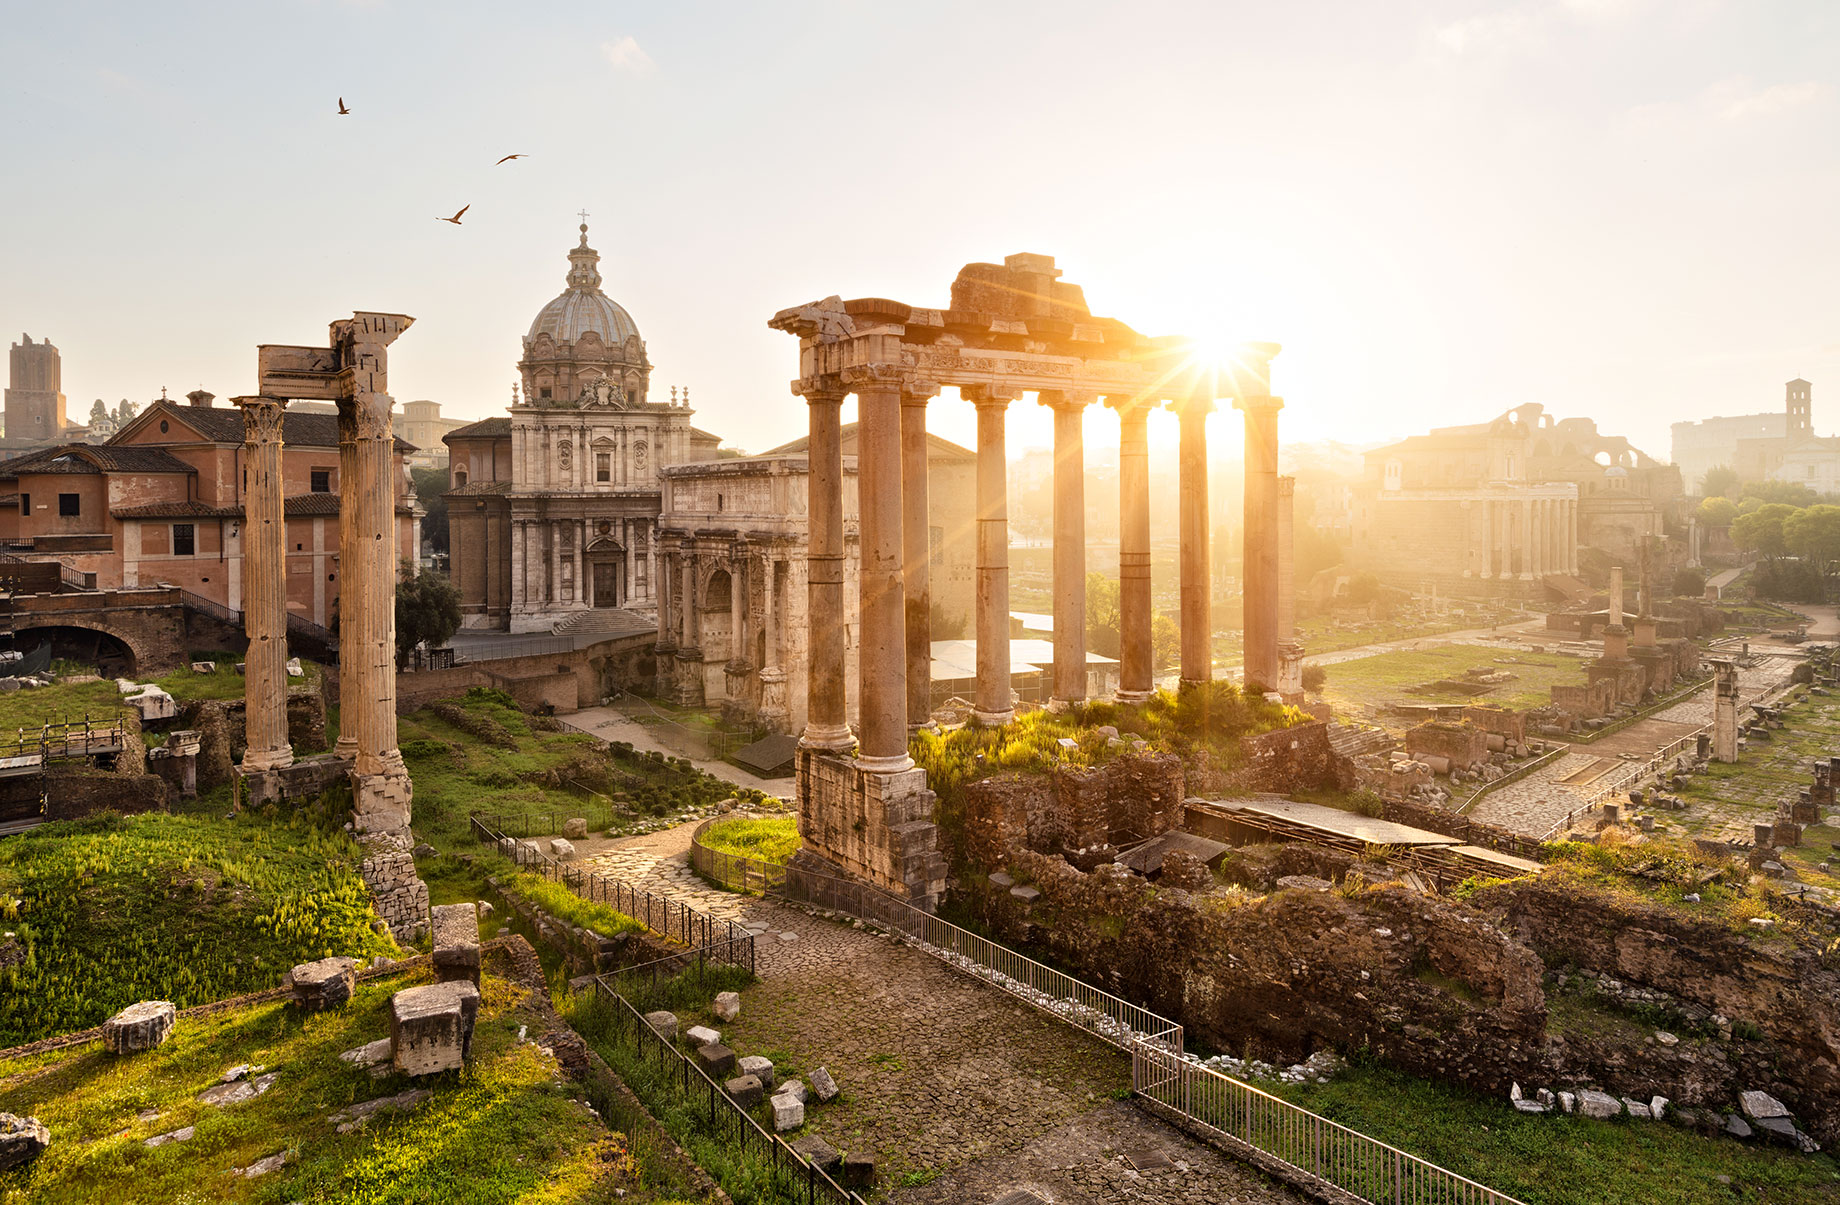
{"x": 1623, "y": 209}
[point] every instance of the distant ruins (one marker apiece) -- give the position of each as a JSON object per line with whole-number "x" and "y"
{"x": 1011, "y": 329}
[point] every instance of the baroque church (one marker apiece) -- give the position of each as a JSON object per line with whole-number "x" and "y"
{"x": 553, "y": 509}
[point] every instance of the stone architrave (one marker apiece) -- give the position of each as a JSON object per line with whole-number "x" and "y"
{"x": 1136, "y": 674}
{"x": 917, "y": 549}
{"x": 882, "y": 696}
{"x": 1069, "y": 543}
{"x": 825, "y": 725}
{"x": 264, "y": 588}
{"x": 995, "y": 702}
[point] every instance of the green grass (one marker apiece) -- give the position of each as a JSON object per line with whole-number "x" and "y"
{"x": 768, "y": 838}
{"x": 1560, "y": 1160}
{"x": 504, "y": 1130}
{"x": 108, "y": 911}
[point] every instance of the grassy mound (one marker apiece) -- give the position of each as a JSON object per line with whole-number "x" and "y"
{"x": 108, "y": 911}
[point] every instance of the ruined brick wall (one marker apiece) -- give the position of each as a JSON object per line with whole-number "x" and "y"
{"x": 1070, "y": 808}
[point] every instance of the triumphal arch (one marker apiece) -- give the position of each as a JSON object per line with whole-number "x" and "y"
{"x": 1010, "y": 330}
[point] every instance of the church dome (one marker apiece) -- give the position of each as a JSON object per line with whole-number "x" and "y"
{"x": 582, "y": 307}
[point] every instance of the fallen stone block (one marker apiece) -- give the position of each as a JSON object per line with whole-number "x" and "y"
{"x": 745, "y": 1090}
{"x": 431, "y": 1028}
{"x": 664, "y": 1022}
{"x": 21, "y": 1139}
{"x": 819, "y": 1153}
{"x": 575, "y": 828}
{"x": 701, "y": 1035}
{"x": 326, "y": 983}
{"x": 727, "y": 1006}
{"x": 788, "y": 1113}
{"x": 823, "y": 1085}
{"x": 139, "y": 1027}
{"x": 1592, "y": 1103}
{"x": 758, "y": 1066}
{"x": 715, "y": 1059}
{"x": 456, "y": 942}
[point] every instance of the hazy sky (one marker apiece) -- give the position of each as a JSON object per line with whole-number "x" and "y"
{"x": 1620, "y": 208}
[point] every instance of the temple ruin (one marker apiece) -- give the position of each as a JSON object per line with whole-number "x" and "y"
{"x": 1011, "y": 329}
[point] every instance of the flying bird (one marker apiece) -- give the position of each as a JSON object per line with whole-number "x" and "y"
{"x": 508, "y": 158}
{"x": 456, "y": 218}
{"x": 342, "y": 109}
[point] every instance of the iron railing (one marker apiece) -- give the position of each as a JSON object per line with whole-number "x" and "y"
{"x": 720, "y": 1117}
{"x": 716, "y": 939}
{"x": 1164, "y": 1079}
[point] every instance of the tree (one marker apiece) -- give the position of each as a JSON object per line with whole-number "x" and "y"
{"x": 1716, "y": 512}
{"x": 427, "y": 612}
{"x": 1719, "y": 482}
{"x": 1814, "y": 533}
{"x": 430, "y": 484}
{"x": 1762, "y": 530}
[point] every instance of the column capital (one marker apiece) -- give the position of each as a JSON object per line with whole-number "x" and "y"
{"x": 997, "y": 396}
{"x": 1067, "y": 399}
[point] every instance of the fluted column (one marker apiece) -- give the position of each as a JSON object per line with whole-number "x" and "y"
{"x": 1136, "y": 672}
{"x": 1261, "y": 552}
{"x": 917, "y": 549}
{"x": 995, "y": 702}
{"x": 825, "y": 725}
{"x": 880, "y": 503}
{"x": 1069, "y": 544}
{"x": 265, "y": 682}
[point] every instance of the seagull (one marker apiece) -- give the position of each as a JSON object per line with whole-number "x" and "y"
{"x": 508, "y": 158}
{"x": 456, "y": 218}
{"x": 342, "y": 109}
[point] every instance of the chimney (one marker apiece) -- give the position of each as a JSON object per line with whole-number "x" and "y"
{"x": 198, "y": 397}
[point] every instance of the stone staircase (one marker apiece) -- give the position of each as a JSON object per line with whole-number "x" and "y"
{"x": 610, "y": 621}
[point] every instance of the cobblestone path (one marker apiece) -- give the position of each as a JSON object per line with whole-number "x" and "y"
{"x": 938, "y": 1072}
{"x": 1534, "y": 804}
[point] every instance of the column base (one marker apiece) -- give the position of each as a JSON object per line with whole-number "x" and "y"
{"x": 1132, "y": 698}
{"x": 994, "y": 719}
{"x": 824, "y": 737}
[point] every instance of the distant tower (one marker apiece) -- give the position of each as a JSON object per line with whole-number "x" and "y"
{"x": 1801, "y": 408}
{"x": 34, "y": 403}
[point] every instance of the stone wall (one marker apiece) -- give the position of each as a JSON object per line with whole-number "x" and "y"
{"x": 1073, "y": 807}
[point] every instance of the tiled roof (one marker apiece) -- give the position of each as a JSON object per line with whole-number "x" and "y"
{"x": 485, "y": 428}
{"x": 96, "y": 458}
{"x": 224, "y": 425}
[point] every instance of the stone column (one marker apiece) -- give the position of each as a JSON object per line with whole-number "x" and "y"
{"x": 1287, "y": 568}
{"x": 265, "y": 680}
{"x": 1488, "y": 538}
{"x": 916, "y": 549}
{"x": 995, "y": 702}
{"x": 380, "y": 781}
{"x": 1136, "y": 671}
{"x": 825, "y": 726}
{"x": 880, "y": 504}
{"x": 1069, "y": 544}
{"x": 1261, "y": 552}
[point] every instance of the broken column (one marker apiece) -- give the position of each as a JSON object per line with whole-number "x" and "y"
{"x": 995, "y": 702}
{"x": 917, "y": 549}
{"x": 1136, "y": 676}
{"x": 826, "y": 726}
{"x": 1069, "y": 544}
{"x": 882, "y": 694}
{"x": 265, "y": 681}
{"x": 1724, "y": 710}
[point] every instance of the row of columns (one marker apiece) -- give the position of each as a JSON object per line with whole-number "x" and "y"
{"x": 1544, "y": 529}
{"x": 895, "y": 661}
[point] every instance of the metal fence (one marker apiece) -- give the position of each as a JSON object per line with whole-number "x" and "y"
{"x": 716, "y": 939}
{"x": 720, "y": 1117}
{"x": 1327, "y": 1153}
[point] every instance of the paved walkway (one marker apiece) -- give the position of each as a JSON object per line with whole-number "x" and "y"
{"x": 1534, "y": 804}
{"x": 940, "y": 1074}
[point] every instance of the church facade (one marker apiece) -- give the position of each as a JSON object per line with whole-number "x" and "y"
{"x": 553, "y": 509}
